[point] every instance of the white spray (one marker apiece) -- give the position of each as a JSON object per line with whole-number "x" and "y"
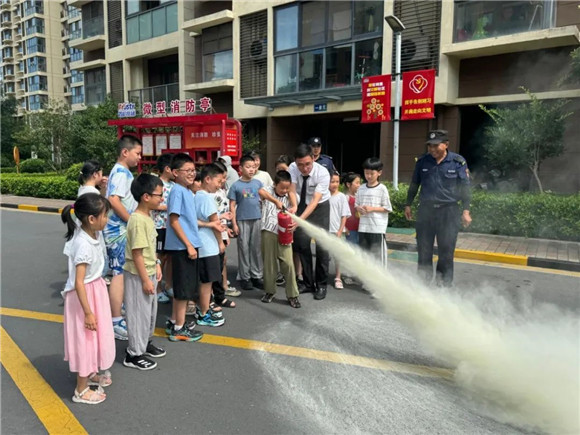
{"x": 520, "y": 367}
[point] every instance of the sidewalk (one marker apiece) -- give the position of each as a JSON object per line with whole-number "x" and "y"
{"x": 552, "y": 254}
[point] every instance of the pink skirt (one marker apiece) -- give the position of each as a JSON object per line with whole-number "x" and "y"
{"x": 89, "y": 351}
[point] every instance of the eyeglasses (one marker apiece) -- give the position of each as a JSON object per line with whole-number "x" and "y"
{"x": 160, "y": 195}
{"x": 187, "y": 171}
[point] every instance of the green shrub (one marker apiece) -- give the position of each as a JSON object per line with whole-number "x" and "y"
{"x": 72, "y": 173}
{"x": 33, "y": 166}
{"x": 54, "y": 186}
{"x": 7, "y": 170}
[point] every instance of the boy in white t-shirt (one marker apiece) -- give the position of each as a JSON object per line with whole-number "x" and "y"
{"x": 339, "y": 212}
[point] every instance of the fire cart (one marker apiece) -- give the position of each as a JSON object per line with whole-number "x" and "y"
{"x": 203, "y": 137}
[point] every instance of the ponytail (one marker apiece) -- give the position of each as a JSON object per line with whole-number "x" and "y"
{"x": 89, "y": 204}
{"x": 67, "y": 218}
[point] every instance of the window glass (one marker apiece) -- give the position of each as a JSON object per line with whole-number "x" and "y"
{"x": 286, "y": 28}
{"x": 310, "y": 70}
{"x": 159, "y": 22}
{"x": 338, "y": 66}
{"x": 145, "y": 28}
{"x": 339, "y": 20}
{"x": 313, "y": 23}
{"x": 368, "y": 59}
{"x": 171, "y": 18}
{"x": 132, "y": 6}
{"x": 368, "y": 17}
{"x": 132, "y": 30}
{"x": 218, "y": 66}
{"x": 285, "y": 74}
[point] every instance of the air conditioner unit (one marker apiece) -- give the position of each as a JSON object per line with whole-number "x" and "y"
{"x": 258, "y": 49}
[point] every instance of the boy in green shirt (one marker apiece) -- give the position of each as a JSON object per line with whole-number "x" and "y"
{"x": 141, "y": 272}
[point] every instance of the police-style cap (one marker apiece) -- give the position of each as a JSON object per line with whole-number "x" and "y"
{"x": 315, "y": 142}
{"x": 435, "y": 137}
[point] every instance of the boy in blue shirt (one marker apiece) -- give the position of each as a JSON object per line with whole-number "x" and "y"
{"x": 182, "y": 242}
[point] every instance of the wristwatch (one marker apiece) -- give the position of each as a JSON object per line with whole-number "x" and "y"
{"x": 158, "y": 261}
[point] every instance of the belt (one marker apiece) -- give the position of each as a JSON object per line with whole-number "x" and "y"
{"x": 438, "y": 205}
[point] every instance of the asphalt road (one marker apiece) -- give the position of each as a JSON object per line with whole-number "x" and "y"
{"x": 337, "y": 366}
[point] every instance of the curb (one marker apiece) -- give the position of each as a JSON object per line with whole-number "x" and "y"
{"x": 32, "y": 207}
{"x": 521, "y": 260}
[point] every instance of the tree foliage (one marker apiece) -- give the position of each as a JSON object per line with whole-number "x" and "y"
{"x": 526, "y": 135}
{"x": 8, "y": 125}
{"x": 572, "y": 76}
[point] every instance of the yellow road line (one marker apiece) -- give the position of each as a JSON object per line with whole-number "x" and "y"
{"x": 30, "y": 211}
{"x": 279, "y": 349}
{"x": 50, "y": 409}
{"x": 521, "y": 260}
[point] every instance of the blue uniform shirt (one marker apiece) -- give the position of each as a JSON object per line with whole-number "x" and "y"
{"x": 443, "y": 183}
{"x": 326, "y": 161}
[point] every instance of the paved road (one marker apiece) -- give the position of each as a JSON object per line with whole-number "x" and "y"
{"x": 336, "y": 366}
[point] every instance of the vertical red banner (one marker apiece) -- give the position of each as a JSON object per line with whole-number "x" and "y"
{"x": 376, "y": 99}
{"x": 418, "y": 95}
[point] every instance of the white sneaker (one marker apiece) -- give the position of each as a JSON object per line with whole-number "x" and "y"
{"x": 120, "y": 330}
{"x": 169, "y": 292}
{"x": 233, "y": 292}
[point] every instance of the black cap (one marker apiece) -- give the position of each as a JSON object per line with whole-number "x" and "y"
{"x": 315, "y": 142}
{"x": 435, "y": 137}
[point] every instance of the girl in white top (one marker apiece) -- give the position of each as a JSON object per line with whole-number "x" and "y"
{"x": 339, "y": 212}
{"x": 89, "y": 341}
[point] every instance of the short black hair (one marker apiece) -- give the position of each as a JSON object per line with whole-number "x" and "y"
{"x": 255, "y": 155}
{"x": 302, "y": 150}
{"x": 282, "y": 176}
{"x": 221, "y": 166}
{"x": 144, "y": 183}
{"x": 163, "y": 161}
{"x": 179, "y": 160}
{"x": 284, "y": 158}
{"x": 89, "y": 168}
{"x": 197, "y": 176}
{"x": 212, "y": 170}
{"x": 349, "y": 177}
{"x": 89, "y": 204}
{"x": 127, "y": 142}
{"x": 246, "y": 158}
{"x": 373, "y": 163}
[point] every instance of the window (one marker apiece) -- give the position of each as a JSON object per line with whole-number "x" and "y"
{"x": 7, "y": 53}
{"x": 75, "y": 54}
{"x": 76, "y": 76}
{"x": 34, "y": 25}
{"x": 149, "y": 19}
{"x": 37, "y": 102}
{"x": 75, "y": 29}
{"x": 37, "y": 83}
{"x": 217, "y": 53}
{"x": 73, "y": 12}
{"x": 95, "y": 86}
{"x": 33, "y": 7}
{"x": 327, "y": 44}
{"x": 93, "y": 19}
{"x": 78, "y": 95}
{"x": 34, "y": 45}
{"x": 36, "y": 63}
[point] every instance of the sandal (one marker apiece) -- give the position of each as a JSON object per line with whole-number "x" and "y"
{"x": 89, "y": 397}
{"x": 100, "y": 380}
{"x": 216, "y": 308}
{"x": 267, "y": 298}
{"x": 338, "y": 284}
{"x": 226, "y": 303}
{"x": 294, "y": 302}
{"x": 190, "y": 310}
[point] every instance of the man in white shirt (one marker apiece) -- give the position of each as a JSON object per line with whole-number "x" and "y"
{"x": 310, "y": 181}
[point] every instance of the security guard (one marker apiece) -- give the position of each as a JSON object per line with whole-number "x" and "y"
{"x": 322, "y": 159}
{"x": 444, "y": 180}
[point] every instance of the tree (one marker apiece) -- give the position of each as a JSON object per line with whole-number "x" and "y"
{"x": 8, "y": 126}
{"x": 572, "y": 76}
{"x": 526, "y": 135}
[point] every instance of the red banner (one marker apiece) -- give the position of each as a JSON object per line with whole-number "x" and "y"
{"x": 418, "y": 95}
{"x": 231, "y": 143}
{"x": 376, "y": 99}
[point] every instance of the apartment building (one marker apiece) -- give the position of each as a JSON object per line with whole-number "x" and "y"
{"x": 292, "y": 69}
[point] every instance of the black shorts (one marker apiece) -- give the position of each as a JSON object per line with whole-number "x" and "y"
{"x": 185, "y": 276}
{"x": 161, "y": 240}
{"x": 209, "y": 269}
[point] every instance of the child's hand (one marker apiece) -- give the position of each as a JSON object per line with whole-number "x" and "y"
{"x": 279, "y": 205}
{"x": 292, "y": 226}
{"x": 228, "y": 215}
{"x": 103, "y": 183}
{"x": 222, "y": 247}
{"x": 148, "y": 287}
{"x": 90, "y": 322}
{"x": 216, "y": 225}
{"x": 236, "y": 229}
{"x": 361, "y": 210}
{"x": 291, "y": 210}
{"x": 191, "y": 252}
{"x": 339, "y": 234}
{"x": 230, "y": 233}
{"x": 158, "y": 272}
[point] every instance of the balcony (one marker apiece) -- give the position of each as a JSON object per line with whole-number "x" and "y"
{"x": 93, "y": 35}
{"x": 7, "y": 40}
{"x": 9, "y": 76}
{"x": 198, "y": 24}
{"x": 155, "y": 93}
{"x": 95, "y": 94}
{"x": 7, "y": 57}
{"x": 5, "y": 5}
{"x": 82, "y": 66}
{"x": 17, "y": 37}
{"x": 78, "y": 3}
{"x": 6, "y": 22}
{"x": 75, "y": 34}
{"x": 16, "y": 18}
{"x": 10, "y": 91}
{"x": 152, "y": 23}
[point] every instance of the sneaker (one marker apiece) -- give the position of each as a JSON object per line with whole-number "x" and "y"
{"x": 169, "y": 292}
{"x": 216, "y": 314}
{"x": 169, "y": 325}
{"x": 162, "y": 298}
{"x": 139, "y": 362}
{"x": 280, "y": 280}
{"x": 209, "y": 319}
{"x": 120, "y": 330}
{"x": 258, "y": 283}
{"x": 154, "y": 351}
{"x": 233, "y": 292}
{"x": 123, "y": 310}
{"x": 348, "y": 280}
{"x": 267, "y": 298}
{"x": 294, "y": 302}
{"x": 246, "y": 284}
{"x": 185, "y": 334}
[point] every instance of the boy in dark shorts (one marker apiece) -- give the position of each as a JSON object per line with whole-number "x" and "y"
{"x": 159, "y": 215}
{"x": 182, "y": 241}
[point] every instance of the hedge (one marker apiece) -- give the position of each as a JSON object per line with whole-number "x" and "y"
{"x": 33, "y": 166}
{"x": 545, "y": 215}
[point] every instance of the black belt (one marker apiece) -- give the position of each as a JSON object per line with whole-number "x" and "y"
{"x": 438, "y": 204}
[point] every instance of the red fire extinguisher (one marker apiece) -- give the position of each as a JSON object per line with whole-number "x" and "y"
{"x": 285, "y": 237}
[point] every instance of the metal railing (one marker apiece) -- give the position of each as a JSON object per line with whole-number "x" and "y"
{"x": 155, "y": 93}
{"x": 152, "y": 23}
{"x": 93, "y": 27}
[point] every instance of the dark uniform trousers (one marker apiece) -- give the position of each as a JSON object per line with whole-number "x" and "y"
{"x": 321, "y": 218}
{"x": 441, "y": 221}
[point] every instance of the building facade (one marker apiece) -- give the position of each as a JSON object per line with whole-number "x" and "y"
{"x": 292, "y": 69}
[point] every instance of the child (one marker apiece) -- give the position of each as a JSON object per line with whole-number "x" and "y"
{"x": 182, "y": 240}
{"x": 211, "y": 244}
{"x": 283, "y": 163}
{"x": 272, "y": 251}
{"x": 351, "y": 182}
{"x": 262, "y": 176}
{"x": 244, "y": 196}
{"x": 339, "y": 212}
{"x": 142, "y": 272}
{"x": 163, "y": 166}
{"x": 91, "y": 178}
{"x": 89, "y": 343}
{"x": 373, "y": 204}
{"x": 115, "y": 233}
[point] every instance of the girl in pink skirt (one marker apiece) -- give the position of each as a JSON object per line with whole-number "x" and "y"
{"x": 89, "y": 343}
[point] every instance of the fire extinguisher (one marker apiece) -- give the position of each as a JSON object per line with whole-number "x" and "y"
{"x": 285, "y": 237}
